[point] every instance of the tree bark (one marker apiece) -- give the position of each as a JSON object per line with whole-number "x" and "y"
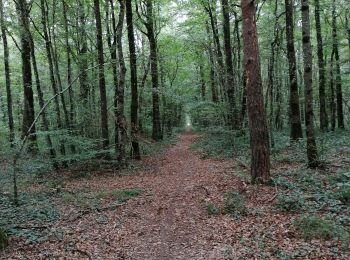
{"x": 294, "y": 108}
{"x": 230, "y": 77}
{"x": 214, "y": 92}
{"x": 338, "y": 80}
{"x": 101, "y": 77}
{"x": 259, "y": 136}
{"x": 7, "y": 76}
{"x": 133, "y": 79}
{"x": 121, "y": 122}
{"x": 309, "y": 116}
{"x": 321, "y": 69}
{"x": 28, "y": 113}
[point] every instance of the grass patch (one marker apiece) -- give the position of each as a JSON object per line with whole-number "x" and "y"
{"x": 125, "y": 195}
{"x": 314, "y": 227}
{"x": 234, "y": 204}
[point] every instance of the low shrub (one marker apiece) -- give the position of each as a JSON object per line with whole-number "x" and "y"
{"x": 290, "y": 202}
{"x": 212, "y": 209}
{"x": 314, "y": 227}
{"x": 3, "y": 239}
{"x": 234, "y": 204}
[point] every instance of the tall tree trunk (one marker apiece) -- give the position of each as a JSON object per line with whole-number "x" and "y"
{"x": 338, "y": 80}
{"x": 309, "y": 116}
{"x": 214, "y": 92}
{"x": 348, "y": 33}
{"x": 202, "y": 81}
{"x": 259, "y": 136}
{"x": 321, "y": 69}
{"x": 28, "y": 113}
{"x": 42, "y": 104}
{"x": 333, "y": 105}
{"x": 230, "y": 77}
{"x": 7, "y": 76}
{"x": 83, "y": 59}
{"x": 294, "y": 109}
{"x": 156, "y": 130}
{"x": 133, "y": 79}
{"x": 121, "y": 122}
{"x": 44, "y": 19}
{"x": 101, "y": 77}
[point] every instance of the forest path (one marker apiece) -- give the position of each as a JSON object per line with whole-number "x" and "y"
{"x": 173, "y": 222}
{"x": 169, "y": 220}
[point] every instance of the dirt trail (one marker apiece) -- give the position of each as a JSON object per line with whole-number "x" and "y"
{"x": 168, "y": 221}
{"x": 172, "y": 222}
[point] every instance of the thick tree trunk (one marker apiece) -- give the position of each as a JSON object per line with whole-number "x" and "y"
{"x": 28, "y": 112}
{"x": 121, "y": 122}
{"x": 230, "y": 77}
{"x": 338, "y": 80}
{"x": 156, "y": 130}
{"x": 101, "y": 77}
{"x": 259, "y": 136}
{"x": 7, "y": 76}
{"x": 321, "y": 69}
{"x": 294, "y": 109}
{"x": 309, "y": 116}
{"x": 202, "y": 81}
{"x": 133, "y": 78}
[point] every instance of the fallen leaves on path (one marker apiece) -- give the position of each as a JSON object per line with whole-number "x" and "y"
{"x": 169, "y": 220}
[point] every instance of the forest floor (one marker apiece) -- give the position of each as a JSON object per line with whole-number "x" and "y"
{"x": 169, "y": 208}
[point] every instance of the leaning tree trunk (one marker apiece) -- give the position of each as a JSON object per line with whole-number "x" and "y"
{"x": 28, "y": 112}
{"x": 294, "y": 110}
{"x": 321, "y": 69}
{"x": 101, "y": 77}
{"x": 133, "y": 79}
{"x": 7, "y": 76}
{"x": 259, "y": 136}
{"x": 338, "y": 81}
{"x": 156, "y": 130}
{"x": 309, "y": 116}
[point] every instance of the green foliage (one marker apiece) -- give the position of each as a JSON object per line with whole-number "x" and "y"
{"x": 314, "y": 227}
{"x": 212, "y": 209}
{"x": 293, "y": 201}
{"x": 343, "y": 194}
{"x": 234, "y": 204}
{"x": 3, "y": 239}
{"x": 125, "y": 195}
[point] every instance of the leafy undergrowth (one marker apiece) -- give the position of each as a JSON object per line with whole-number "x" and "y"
{"x": 313, "y": 204}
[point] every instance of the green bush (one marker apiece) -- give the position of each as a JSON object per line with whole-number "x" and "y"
{"x": 343, "y": 194}
{"x": 234, "y": 204}
{"x": 314, "y": 227}
{"x": 3, "y": 239}
{"x": 290, "y": 202}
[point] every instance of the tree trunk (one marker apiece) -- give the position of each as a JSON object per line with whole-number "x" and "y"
{"x": 338, "y": 81}
{"x": 101, "y": 77}
{"x": 42, "y": 104}
{"x": 156, "y": 130}
{"x": 7, "y": 76}
{"x": 133, "y": 79}
{"x": 309, "y": 116}
{"x": 230, "y": 77}
{"x": 294, "y": 109}
{"x": 321, "y": 69}
{"x": 121, "y": 122}
{"x": 214, "y": 92}
{"x": 28, "y": 112}
{"x": 44, "y": 18}
{"x": 332, "y": 104}
{"x": 259, "y": 136}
